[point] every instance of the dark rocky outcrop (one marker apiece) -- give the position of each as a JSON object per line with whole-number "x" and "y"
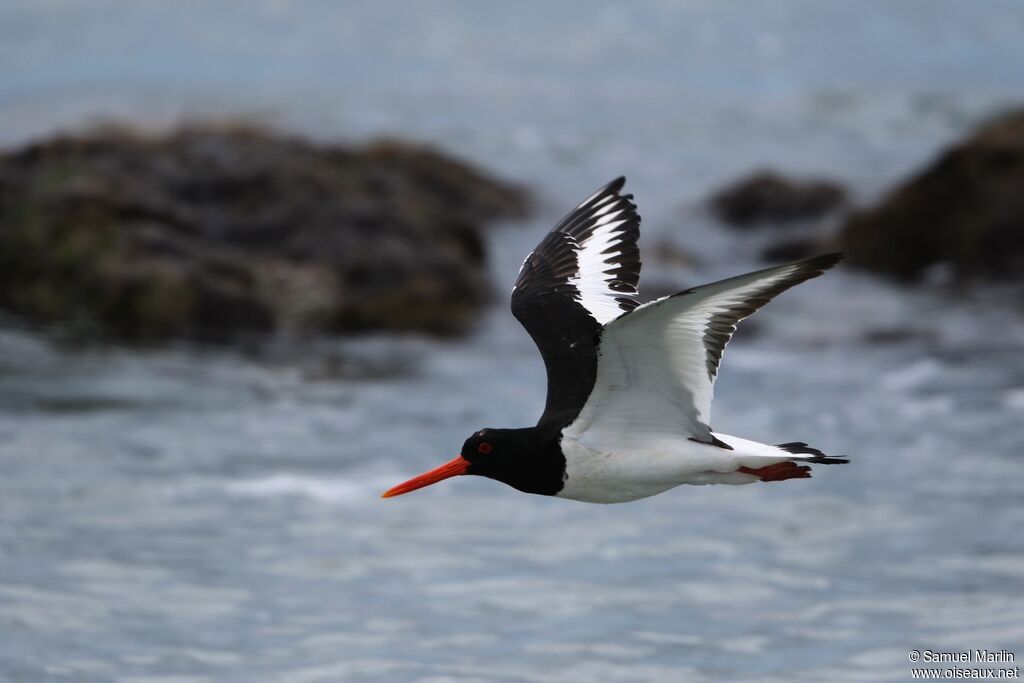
{"x": 668, "y": 253}
{"x": 792, "y": 250}
{"x": 767, "y": 198}
{"x": 208, "y": 231}
{"x": 966, "y": 209}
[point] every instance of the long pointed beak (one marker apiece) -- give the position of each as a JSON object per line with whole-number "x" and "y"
{"x": 453, "y": 467}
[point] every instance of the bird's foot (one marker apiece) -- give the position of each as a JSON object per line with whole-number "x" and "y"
{"x": 779, "y": 471}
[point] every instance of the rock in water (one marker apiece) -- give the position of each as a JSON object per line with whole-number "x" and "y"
{"x": 765, "y": 198}
{"x": 208, "y": 231}
{"x": 966, "y": 209}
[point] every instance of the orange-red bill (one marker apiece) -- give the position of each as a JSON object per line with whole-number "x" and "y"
{"x": 452, "y": 468}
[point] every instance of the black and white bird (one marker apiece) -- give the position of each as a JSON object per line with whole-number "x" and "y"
{"x": 628, "y": 411}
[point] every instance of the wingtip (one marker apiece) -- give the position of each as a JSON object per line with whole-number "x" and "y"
{"x": 610, "y": 189}
{"x": 822, "y": 262}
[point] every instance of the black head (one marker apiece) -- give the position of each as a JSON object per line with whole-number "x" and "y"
{"x": 494, "y": 452}
{"x": 512, "y": 456}
{"x": 521, "y": 458}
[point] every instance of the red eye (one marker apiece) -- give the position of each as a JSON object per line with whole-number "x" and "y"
{"x": 484, "y": 447}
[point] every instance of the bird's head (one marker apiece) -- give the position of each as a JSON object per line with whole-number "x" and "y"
{"x": 494, "y": 453}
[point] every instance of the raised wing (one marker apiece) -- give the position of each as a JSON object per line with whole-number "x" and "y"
{"x": 581, "y": 276}
{"x": 657, "y": 365}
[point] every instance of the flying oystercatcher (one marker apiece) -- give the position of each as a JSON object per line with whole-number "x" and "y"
{"x": 629, "y": 386}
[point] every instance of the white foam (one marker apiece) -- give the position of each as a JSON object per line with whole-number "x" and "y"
{"x": 333, "y": 490}
{"x": 1014, "y": 399}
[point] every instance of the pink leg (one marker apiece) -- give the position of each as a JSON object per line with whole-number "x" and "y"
{"x": 779, "y": 471}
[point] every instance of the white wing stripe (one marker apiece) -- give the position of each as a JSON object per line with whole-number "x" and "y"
{"x": 594, "y": 267}
{"x": 603, "y": 211}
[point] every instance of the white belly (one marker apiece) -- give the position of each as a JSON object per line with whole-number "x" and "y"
{"x": 596, "y": 476}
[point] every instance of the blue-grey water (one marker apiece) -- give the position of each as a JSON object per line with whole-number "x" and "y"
{"x": 212, "y": 515}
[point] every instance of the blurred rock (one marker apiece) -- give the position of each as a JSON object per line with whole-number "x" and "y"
{"x": 766, "y": 198}
{"x": 208, "y": 231}
{"x": 799, "y": 248}
{"x": 669, "y": 253}
{"x": 655, "y": 288}
{"x": 791, "y": 250}
{"x": 965, "y": 210}
{"x": 897, "y": 335}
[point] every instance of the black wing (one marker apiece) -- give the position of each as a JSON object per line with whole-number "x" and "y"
{"x": 580, "y": 277}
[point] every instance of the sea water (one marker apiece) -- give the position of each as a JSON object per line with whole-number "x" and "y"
{"x": 212, "y": 515}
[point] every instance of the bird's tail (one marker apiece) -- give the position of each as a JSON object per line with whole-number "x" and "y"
{"x": 775, "y": 463}
{"x": 806, "y": 453}
{"x": 790, "y": 468}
